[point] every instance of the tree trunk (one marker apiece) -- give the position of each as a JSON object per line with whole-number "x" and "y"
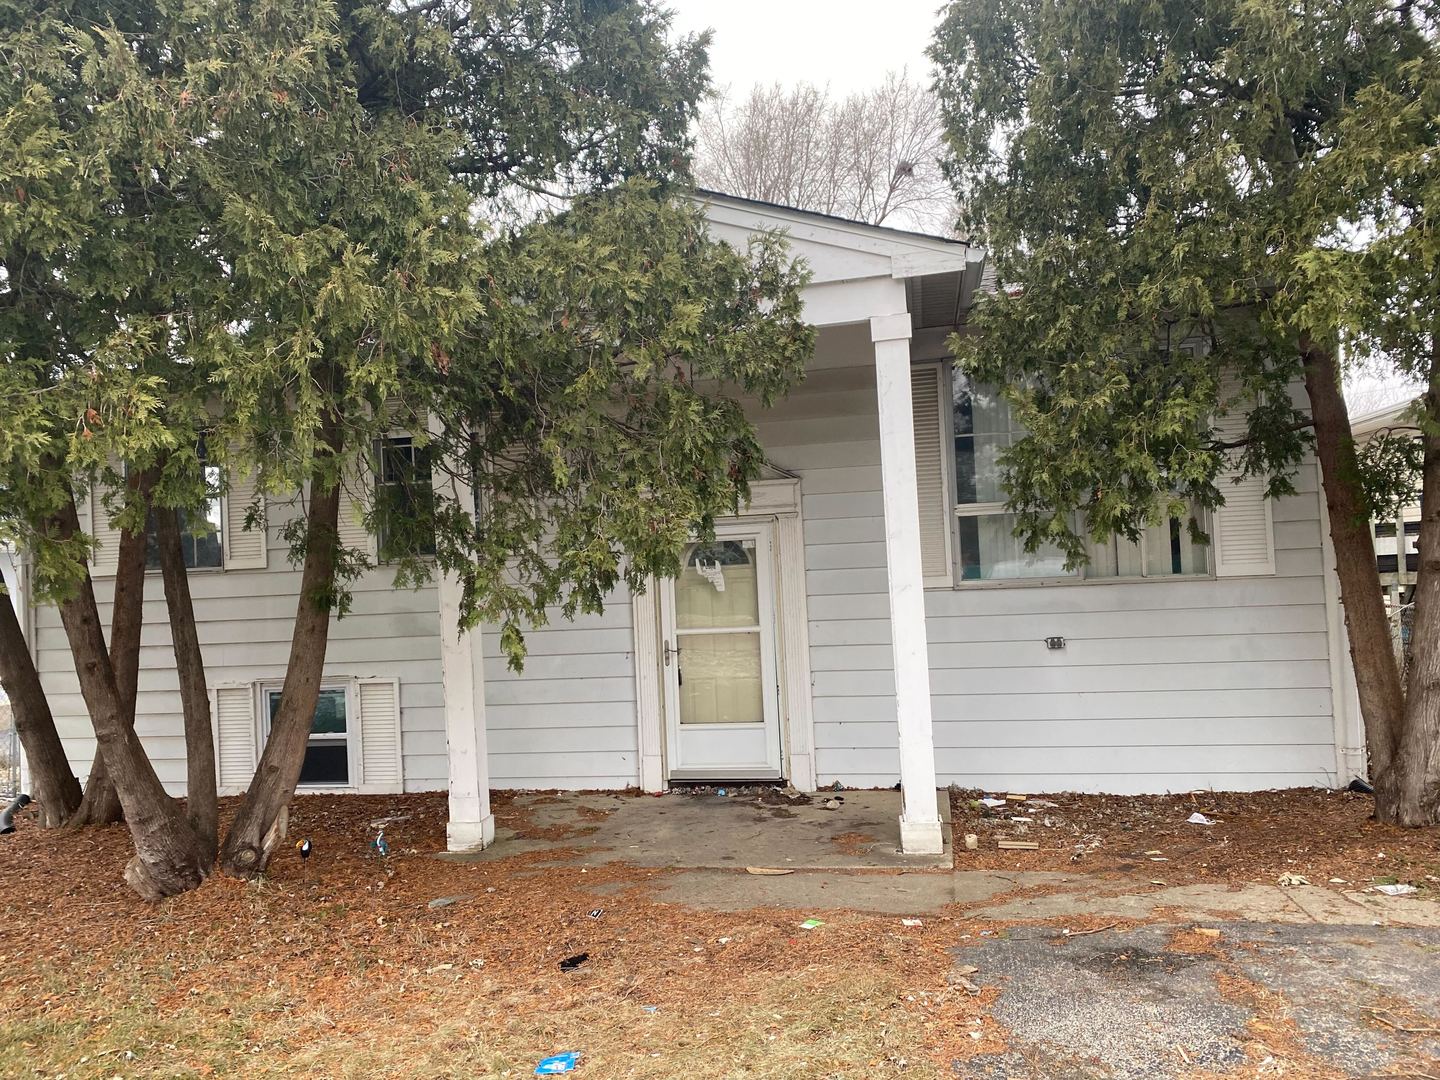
{"x": 1418, "y": 763}
{"x": 260, "y": 823}
{"x": 1377, "y": 677}
{"x": 200, "y": 792}
{"x": 100, "y": 804}
{"x": 167, "y": 852}
{"x": 56, "y": 790}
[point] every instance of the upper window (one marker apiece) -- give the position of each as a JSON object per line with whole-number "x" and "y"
{"x": 987, "y": 546}
{"x": 403, "y": 487}
{"x": 200, "y": 535}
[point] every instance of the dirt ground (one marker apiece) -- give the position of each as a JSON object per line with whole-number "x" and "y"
{"x": 1326, "y": 837}
{"x": 343, "y": 966}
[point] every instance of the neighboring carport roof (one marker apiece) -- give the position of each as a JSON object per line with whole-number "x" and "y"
{"x": 1369, "y": 423}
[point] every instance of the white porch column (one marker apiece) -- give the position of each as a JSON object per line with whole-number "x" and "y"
{"x": 920, "y": 827}
{"x": 462, "y": 673}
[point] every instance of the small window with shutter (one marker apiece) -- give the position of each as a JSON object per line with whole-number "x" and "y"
{"x": 354, "y": 741}
{"x": 220, "y": 536}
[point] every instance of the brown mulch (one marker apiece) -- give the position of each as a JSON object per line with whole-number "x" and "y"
{"x": 1257, "y": 837}
{"x": 338, "y": 966}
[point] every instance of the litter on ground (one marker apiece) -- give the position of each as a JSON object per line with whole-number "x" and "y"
{"x": 558, "y": 1063}
{"x": 1395, "y": 890}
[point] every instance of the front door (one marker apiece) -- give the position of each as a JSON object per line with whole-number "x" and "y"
{"x": 718, "y": 647}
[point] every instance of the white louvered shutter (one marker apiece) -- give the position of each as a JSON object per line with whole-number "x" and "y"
{"x": 107, "y": 538}
{"x": 352, "y": 531}
{"x": 380, "y": 761}
{"x": 1243, "y": 532}
{"x": 236, "y": 743}
{"x": 244, "y": 549}
{"x": 927, "y": 384}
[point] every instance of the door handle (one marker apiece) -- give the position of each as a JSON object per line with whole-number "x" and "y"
{"x": 669, "y": 650}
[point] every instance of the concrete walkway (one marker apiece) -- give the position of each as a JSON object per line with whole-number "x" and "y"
{"x": 839, "y": 851}
{"x": 844, "y": 830}
{"x": 1042, "y": 897}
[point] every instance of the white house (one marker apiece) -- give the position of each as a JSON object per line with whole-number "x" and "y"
{"x": 1397, "y": 556}
{"x": 868, "y": 618}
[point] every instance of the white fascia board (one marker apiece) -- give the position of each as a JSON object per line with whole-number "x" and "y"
{"x": 909, "y": 254}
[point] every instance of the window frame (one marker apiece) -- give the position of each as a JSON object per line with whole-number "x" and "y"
{"x": 959, "y": 511}
{"x": 265, "y": 687}
{"x": 382, "y": 444}
{"x": 221, "y": 509}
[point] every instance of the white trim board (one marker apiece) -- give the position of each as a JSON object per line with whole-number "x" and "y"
{"x": 779, "y": 501}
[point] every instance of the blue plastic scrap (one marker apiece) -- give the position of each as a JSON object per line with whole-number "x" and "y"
{"x": 559, "y": 1063}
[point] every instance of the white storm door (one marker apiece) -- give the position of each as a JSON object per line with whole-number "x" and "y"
{"x": 718, "y": 659}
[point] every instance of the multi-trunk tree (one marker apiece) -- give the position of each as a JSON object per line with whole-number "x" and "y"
{"x": 320, "y": 176}
{"x": 1193, "y": 208}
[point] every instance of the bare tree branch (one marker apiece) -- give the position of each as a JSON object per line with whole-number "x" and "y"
{"x": 873, "y": 156}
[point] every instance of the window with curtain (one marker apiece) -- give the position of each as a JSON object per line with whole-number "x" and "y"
{"x": 987, "y": 547}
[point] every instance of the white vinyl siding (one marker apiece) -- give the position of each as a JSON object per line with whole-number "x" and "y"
{"x": 1172, "y": 684}
{"x": 566, "y": 722}
{"x": 569, "y": 719}
{"x": 244, "y": 619}
{"x": 1164, "y": 685}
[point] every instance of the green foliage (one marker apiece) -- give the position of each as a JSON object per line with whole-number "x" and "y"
{"x": 584, "y": 404}
{"x": 258, "y": 224}
{"x": 1232, "y": 175}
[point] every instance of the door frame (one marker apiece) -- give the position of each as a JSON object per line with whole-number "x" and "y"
{"x": 762, "y": 531}
{"x": 776, "y": 500}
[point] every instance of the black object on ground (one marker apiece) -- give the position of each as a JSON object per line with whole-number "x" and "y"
{"x": 570, "y": 963}
{"x": 7, "y": 816}
{"x": 1361, "y": 787}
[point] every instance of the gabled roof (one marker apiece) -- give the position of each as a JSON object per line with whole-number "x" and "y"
{"x": 941, "y": 274}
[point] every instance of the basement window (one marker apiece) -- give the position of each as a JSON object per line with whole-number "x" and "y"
{"x": 327, "y": 757}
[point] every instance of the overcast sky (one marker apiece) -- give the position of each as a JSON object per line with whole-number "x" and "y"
{"x": 846, "y": 44}
{"x": 849, "y": 45}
